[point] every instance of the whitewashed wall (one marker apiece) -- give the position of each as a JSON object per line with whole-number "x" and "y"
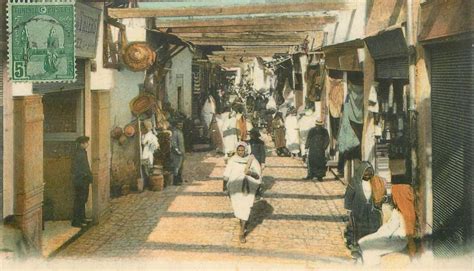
{"x": 181, "y": 65}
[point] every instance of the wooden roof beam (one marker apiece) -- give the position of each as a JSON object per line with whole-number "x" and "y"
{"x": 315, "y": 20}
{"x": 276, "y": 27}
{"x": 235, "y": 42}
{"x": 249, "y": 35}
{"x": 254, "y": 47}
{"x": 248, "y": 53}
{"x": 315, "y": 5}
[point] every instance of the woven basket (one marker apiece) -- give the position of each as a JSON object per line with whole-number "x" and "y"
{"x": 138, "y": 56}
{"x": 142, "y": 103}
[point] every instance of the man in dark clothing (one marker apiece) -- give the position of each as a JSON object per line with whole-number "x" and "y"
{"x": 81, "y": 178}
{"x": 257, "y": 146}
{"x": 257, "y": 149}
{"x": 316, "y": 144}
{"x": 177, "y": 151}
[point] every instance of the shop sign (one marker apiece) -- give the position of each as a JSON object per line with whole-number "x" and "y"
{"x": 87, "y": 30}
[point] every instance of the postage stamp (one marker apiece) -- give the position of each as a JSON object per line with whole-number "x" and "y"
{"x": 41, "y": 41}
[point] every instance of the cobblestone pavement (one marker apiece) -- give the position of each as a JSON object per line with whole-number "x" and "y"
{"x": 298, "y": 223}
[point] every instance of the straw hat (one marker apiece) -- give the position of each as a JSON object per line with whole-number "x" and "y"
{"x": 138, "y": 56}
{"x": 319, "y": 122}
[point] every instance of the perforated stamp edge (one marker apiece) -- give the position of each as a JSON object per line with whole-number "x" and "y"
{"x": 11, "y": 3}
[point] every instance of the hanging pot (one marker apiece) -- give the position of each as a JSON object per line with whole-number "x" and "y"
{"x": 129, "y": 130}
{"x": 122, "y": 139}
{"x": 116, "y": 132}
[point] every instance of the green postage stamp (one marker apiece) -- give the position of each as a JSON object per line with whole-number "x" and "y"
{"x": 41, "y": 40}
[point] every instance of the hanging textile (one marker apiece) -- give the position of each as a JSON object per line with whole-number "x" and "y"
{"x": 336, "y": 97}
{"x": 347, "y": 138}
{"x": 314, "y": 89}
{"x": 208, "y": 111}
{"x": 373, "y": 100}
{"x": 271, "y": 104}
{"x": 355, "y": 108}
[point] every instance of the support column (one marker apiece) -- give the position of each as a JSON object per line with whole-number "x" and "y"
{"x": 100, "y": 139}
{"x": 28, "y": 160}
{"x": 368, "y": 139}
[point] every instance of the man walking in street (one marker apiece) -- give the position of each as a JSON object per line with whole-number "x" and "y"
{"x": 317, "y": 143}
{"x": 81, "y": 179}
{"x": 177, "y": 152}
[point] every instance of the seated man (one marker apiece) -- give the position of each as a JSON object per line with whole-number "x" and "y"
{"x": 397, "y": 233}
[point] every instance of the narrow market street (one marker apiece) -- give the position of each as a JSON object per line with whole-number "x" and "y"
{"x": 297, "y": 222}
{"x": 236, "y": 135}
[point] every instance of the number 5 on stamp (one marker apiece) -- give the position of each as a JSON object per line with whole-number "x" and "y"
{"x": 41, "y": 41}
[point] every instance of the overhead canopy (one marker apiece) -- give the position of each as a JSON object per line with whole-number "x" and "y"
{"x": 344, "y": 56}
{"x": 389, "y": 43}
{"x": 241, "y": 23}
{"x": 389, "y": 49}
{"x": 165, "y": 9}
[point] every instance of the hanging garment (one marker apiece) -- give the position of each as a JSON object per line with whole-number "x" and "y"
{"x": 335, "y": 97}
{"x": 292, "y": 134}
{"x": 313, "y": 82}
{"x": 335, "y": 125}
{"x": 208, "y": 110}
{"x": 347, "y": 138}
{"x": 373, "y": 100}
{"x": 290, "y": 100}
{"x": 271, "y": 104}
{"x": 356, "y": 103}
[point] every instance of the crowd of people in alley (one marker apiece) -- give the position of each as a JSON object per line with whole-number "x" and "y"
{"x": 244, "y": 140}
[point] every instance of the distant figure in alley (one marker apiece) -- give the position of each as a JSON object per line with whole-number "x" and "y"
{"x": 316, "y": 144}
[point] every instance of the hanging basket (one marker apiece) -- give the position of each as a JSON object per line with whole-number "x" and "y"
{"x": 142, "y": 103}
{"x": 138, "y": 56}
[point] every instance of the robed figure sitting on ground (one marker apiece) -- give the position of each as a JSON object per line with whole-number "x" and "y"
{"x": 363, "y": 198}
{"x": 397, "y": 233}
{"x": 316, "y": 144}
{"x": 243, "y": 176}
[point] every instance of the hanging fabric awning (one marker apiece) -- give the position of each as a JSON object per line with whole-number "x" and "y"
{"x": 390, "y": 51}
{"x": 344, "y": 56}
{"x": 389, "y": 43}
